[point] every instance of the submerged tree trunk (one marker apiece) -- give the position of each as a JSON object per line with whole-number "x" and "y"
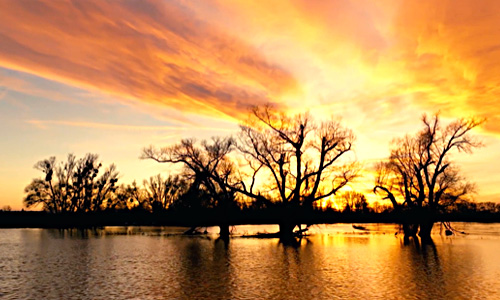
{"x": 426, "y": 222}
{"x": 408, "y": 220}
{"x": 286, "y": 230}
{"x": 287, "y": 223}
{"x": 418, "y": 220}
{"x": 224, "y": 231}
{"x": 410, "y": 229}
{"x": 425, "y": 230}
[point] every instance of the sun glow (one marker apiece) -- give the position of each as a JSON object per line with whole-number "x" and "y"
{"x": 329, "y": 203}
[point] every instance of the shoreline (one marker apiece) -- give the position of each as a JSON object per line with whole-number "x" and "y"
{"x": 39, "y": 219}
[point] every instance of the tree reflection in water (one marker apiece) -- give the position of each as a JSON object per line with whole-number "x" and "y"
{"x": 52, "y": 264}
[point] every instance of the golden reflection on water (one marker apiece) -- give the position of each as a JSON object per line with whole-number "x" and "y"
{"x": 157, "y": 263}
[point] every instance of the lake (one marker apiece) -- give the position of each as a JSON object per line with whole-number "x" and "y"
{"x": 334, "y": 262}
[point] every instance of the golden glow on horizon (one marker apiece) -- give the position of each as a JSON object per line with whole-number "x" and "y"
{"x": 199, "y": 66}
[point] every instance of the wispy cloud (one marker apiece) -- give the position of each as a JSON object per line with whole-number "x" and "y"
{"x": 382, "y": 57}
{"x": 44, "y": 124}
{"x": 218, "y": 57}
{"x": 157, "y": 52}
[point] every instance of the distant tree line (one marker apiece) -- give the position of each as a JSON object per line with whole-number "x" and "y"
{"x": 77, "y": 185}
{"x": 292, "y": 164}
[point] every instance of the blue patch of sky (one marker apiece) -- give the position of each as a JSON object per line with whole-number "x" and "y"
{"x": 33, "y": 98}
{"x": 45, "y": 99}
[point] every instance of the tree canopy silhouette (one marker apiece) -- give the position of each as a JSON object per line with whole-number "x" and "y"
{"x": 72, "y": 186}
{"x": 162, "y": 193}
{"x": 299, "y": 159}
{"x": 421, "y": 177}
{"x": 156, "y": 194}
{"x": 292, "y": 160}
{"x": 208, "y": 166}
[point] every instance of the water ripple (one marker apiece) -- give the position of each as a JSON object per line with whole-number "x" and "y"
{"x": 336, "y": 262}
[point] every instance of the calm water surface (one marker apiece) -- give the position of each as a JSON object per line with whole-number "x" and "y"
{"x": 335, "y": 262}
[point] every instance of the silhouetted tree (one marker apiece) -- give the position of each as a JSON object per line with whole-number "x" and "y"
{"x": 208, "y": 167}
{"x": 162, "y": 193}
{"x": 292, "y": 160}
{"x": 354, "y": 202}
{"x": 6, "y": 208}
{"x": 491, "y": 207}
{"x": 419, "y": 175}
{"x": 378, "y": 207}
{"x": 130, "y": 196}
{"x": 298, "y": 161}
{"x": 462, "y": 206}
{"x": 72, "y": 186}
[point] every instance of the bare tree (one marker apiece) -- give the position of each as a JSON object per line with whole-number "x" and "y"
{"x": 419, "y": 175}
{"x": 292, "y": 160}
{"x": 378, "y": 207}
{"x": 130, "y": 196}
{"x": 298, "y": 160}
{"x": 162, "y": 193}
{"x": 72, "y": 186}
{"x": 354, "y": 202}
{"x": 208, "y": 166}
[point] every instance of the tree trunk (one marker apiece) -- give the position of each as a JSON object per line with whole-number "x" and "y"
{"x": 425, "y": 231}
{"x": 426, "y": 218}
{"x": 410, "y": 229}
{"x": 224, "y": 231}
{"x": 286, "y": 230}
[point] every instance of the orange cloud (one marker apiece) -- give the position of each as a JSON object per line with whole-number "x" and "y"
{"x": 375, "y": 59}
{"x": 369, "y": 60}
{"x": 452, "y": 52}
{"x": 107, "y": 126}
{"x": 149, "y": 51}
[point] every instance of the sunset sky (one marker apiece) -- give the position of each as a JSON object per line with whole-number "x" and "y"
{"x": 111, "y": 77}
